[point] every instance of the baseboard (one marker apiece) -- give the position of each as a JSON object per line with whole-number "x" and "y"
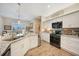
{"x": 73, "y": 54}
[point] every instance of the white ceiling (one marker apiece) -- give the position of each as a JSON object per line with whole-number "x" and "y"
{"x": 28, "y": 11}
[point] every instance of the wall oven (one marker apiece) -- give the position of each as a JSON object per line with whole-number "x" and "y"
{"x": 55, "y": 36}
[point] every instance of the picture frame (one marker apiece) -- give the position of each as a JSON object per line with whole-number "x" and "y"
{"x": 7, "y": 27}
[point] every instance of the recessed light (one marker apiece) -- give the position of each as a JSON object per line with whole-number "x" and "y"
{"x": 49, "y": 6}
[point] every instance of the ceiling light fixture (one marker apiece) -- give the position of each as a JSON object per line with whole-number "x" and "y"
{"x": 49, "y": 6}
{"x": 19, "y": 7}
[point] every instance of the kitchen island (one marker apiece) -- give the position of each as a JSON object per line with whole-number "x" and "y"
{"x": 20, "y": 47}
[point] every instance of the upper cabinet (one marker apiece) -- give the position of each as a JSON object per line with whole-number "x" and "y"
{"x": 71, "y": 20}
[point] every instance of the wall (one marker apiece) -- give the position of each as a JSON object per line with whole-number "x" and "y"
{"x": 7, "y": 20}
{"x": 1, "y": 25}
{"x": 10, "y": 21}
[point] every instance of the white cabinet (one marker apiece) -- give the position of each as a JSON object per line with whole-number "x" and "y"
{"x": 71, "y": 21}
{"x": 45, "y": 36}
{"x": 26, "y": 45}
{"x": 70, "y": 43}
{"x": 19, "y": 48}
{"x": 33, "y": 41}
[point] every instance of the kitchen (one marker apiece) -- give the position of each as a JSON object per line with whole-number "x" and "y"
{"x": 58, "y": 31}
{"x": 68, "y": 29}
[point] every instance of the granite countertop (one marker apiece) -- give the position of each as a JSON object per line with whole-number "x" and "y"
{"x": 72, "y": 36}
{"x": 30, "y": 34}
{"x": 4, "y": 45}
{"x": 18, "y": 39}
{"x": 27, "y": 35}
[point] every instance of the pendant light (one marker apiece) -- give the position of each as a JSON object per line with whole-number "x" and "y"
{"x": 19, "y": 5}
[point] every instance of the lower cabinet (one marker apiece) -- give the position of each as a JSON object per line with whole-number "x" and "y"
{"x": 45, "y": 36}
{"x": 70, "y": 44}
{"x": 33, "y": 41}
{"x": 19, "y": 48}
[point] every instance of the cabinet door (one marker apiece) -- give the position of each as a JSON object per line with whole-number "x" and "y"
{"x": 70, "y": 44}
{"x": 17, "y": 48}
{"x": 74, "y": 45}
{"x": 33, "y": 41}
{"x": 46, "y": 37}
{"x": 71, "y": 21}
{"x": 26, "y": 44}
